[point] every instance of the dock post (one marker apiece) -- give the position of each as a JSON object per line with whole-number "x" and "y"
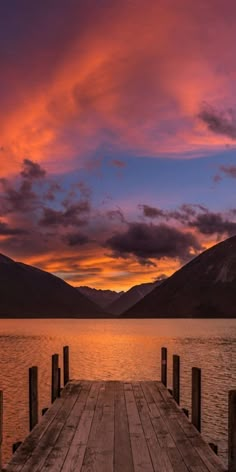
{"x": 196, "y": 398}
{"x": 66, "y": 364}
{"x": 164, "y": 366}
{"x": 176, "y": 378}
{"x": 1, "y": 426}
{"x": 33, "y": 397}
{"x": 232, "y": 431}
{"x": 59, "y": 382}
{"x": 55, "y": 362}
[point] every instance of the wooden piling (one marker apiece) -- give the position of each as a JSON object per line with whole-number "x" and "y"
{"x": 54, "y": 391}
{"x": 1, "y": 426}
{"x": 232, "y": 431}
{"x": 196, "y": 398}
{"x": 66, "y": 364}
{"x": 59, "y": 382}
{"x": 176, "y": 378}
{"x": 164, "y": 366}
{"x": 33, "y": 397}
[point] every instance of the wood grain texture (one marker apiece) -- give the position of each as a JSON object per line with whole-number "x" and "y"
{"x": 113, "y": 426}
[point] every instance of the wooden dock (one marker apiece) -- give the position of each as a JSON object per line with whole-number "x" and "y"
{"x": 107, "y": 426}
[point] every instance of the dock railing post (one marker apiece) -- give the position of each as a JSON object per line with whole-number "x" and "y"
{"x": 59, "y": 382}
{"x": 164, "y": 366}
{"x": 66, "y": 364}
{"x": 33, "y": 397}
{"x": 232, "y": 431}
{"x": 55, "y": 362}
{"x": 176, "y": 378}
{"x": 196, "y": 398}
{"x": 1, "y": 426}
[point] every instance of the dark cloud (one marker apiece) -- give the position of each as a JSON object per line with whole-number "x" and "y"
{"x": 85, "y": 190}
{"x": 32, "y": 170}
{"x": 76, "y": 239}
{"x": 152, "y": 212}
{"x": 6, "y": 230}
{"x": 19, "y": 199}
{"x": 52, "y": 191}
{"x": 213, "y": 223}
{"x": 73, "y": 214}
{"x": 195, "y": 216}
{"x": 147, "y": 241}
{"x": 219, "y": 122}
{"x": 21, "y": 196}
{"x": 230, "y": 171}
{"x": 116, "y": 215}
{"x": 183, "y": 214}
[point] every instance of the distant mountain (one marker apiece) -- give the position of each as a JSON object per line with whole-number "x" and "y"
{"x": 28, "y": 292}
{"x": 203, "y": 288}
{"x": 101, "y": 297}
{"x": 131, "y": 297}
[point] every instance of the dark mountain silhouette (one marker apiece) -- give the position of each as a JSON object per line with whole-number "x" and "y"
{"x": 28, "y": 292}
{"x": 131, "y": 297}
{"x": 203, "y": 288}
{"x": 101, "y": 297}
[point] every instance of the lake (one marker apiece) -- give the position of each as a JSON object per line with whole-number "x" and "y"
{"x": 122, "y": 350}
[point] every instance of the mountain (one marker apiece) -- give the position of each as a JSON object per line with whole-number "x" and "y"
{"x": 101, "y": 297}
{"x": 28, "y": 292}
{"x": 131, "y": 297}
{"x": 203, "y": 288}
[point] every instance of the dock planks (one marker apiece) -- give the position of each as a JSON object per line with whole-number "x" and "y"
{"x": 113, "y": 426}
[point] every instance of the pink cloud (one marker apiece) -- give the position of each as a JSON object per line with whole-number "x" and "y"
{"x": 133, "y": 79}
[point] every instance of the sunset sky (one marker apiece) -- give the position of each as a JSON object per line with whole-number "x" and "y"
{"x": 117, "y": 135}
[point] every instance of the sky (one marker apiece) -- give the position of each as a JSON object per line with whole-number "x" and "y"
{"x": 117, "y": 135}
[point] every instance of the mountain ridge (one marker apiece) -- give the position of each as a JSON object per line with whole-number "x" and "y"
{"x": 101, "y": 297}
{"x": 204, "y": 288}
{"x": 132, "y": 296}
{"x": 29, "y": 292}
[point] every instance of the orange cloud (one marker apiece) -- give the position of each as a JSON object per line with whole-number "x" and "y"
{"x": 133, "y": 79}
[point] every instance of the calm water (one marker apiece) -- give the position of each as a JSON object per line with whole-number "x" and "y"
{"x": 118, "y": 349}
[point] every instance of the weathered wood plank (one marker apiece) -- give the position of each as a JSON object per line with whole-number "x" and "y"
{"x": 165, "y": 440}
{"x": 160, "y": 459}
{"x": 141, "y": 456}
{"x": 183, "y": 444}
{"x": 208, "y": 457}
{"x": 123, "y": 459}
{"x": 75, "y": 454}
{"x": 56, "y": 457}
{"x": 51, "y": 436}
{"x": 99, "y": 453}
